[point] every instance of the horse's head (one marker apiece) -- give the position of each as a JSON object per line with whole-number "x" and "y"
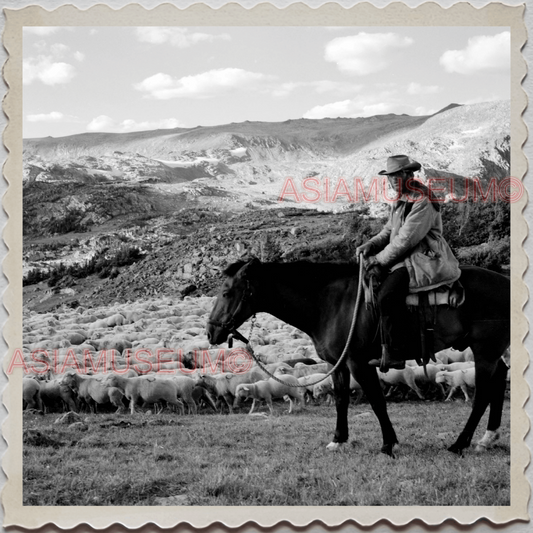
{"x": 234, "y": 303}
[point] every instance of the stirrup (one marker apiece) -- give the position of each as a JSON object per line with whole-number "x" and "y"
{"x": 387, "y": 362}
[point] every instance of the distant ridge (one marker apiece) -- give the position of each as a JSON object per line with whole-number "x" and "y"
{"x": 447, "y": 108}
{"x": 301, "y": 137}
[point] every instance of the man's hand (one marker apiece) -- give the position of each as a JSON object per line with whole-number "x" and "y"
{"x": 363, "y": 249}
{"x": 374, "y": 269}
{"x": 371, "y": 262}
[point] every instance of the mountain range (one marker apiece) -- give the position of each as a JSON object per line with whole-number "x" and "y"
{"x": 466, "y": 141}
{"x": 206, "y": 195}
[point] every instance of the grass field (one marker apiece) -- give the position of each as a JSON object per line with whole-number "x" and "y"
{"x": 217, "y": 459}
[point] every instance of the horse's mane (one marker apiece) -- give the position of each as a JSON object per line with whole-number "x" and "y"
{"x": 232, "y": 269}
{"x": 300, "y": 271}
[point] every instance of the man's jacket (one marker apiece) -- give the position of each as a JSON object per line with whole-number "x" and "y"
{"x": 416, "y": 241}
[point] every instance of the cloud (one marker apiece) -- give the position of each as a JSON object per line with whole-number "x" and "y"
{"x": 102, "y": 123}
{"x": 59, "y": 50}
{"x": 180, "y": 37}
{"x": 364, "y": 53}
{"x": 105, "y": 123}
{"x": 423, "y": 111}
{"x": 49, "y": 68}
{"x": 416, "y": 88}
{"x": 41, "y": 30}
{"x": 79, "y": 56}
{"x": 320, "y": 86}
{"x": 360, "y": 106}
{"x": 44, "y": 69}
{"x": 485, "y": 99}
{"x": 483, "y": 52}
{"x": 54, "y": 116}
{"x": 206, "y": 85}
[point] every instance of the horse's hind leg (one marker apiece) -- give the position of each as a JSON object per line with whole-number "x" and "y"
{"x": 498, "y": 384}
{"x": 488, "y": 390}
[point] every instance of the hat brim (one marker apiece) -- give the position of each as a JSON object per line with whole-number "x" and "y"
{"x": 415, "y": 165}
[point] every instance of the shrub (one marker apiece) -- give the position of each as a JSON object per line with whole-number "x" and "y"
{"x": 101, "y": 264}
{"x": 363, "y": 227}
{"x": 72, "y": 221}
{"x": 492, "y": 255}
{"x": 473, "y": 223}
{"x": 35, "y": 275}
{"x": 329, "y": 249}
{"x": 126, "y": 255}
{"x": 270, "y": 249}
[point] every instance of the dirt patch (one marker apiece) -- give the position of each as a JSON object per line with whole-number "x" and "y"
{"x": 34, "y": 437}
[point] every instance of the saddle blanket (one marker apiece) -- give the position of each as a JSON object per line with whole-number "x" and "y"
{"x": 454, "y": 296}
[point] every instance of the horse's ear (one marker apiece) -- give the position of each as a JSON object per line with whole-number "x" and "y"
{"x": 232, "y": 269}
{"x": 250, "y": 266}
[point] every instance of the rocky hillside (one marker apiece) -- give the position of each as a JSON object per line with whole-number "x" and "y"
{"x": 186, "y": 202}
{"x": 238, "y": 165}
{"x": 179, "y": 256}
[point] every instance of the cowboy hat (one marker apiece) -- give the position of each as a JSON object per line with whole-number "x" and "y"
{"x": 396, "y": 163}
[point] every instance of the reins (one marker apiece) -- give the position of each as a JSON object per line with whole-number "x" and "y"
{"x": 235, "y": 334}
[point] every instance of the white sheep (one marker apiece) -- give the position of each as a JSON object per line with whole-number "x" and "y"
{"x": 326, "y": 388}
{"x": 428, "y": 377}
{"x": 458, "y": 378}
{"x": 266, "y": 390}
{"x": 301, "y": 369}
{"x": 150, "y": 390}
{"x": 31, "y": 394}
{"x": 309, "y": 383}
{"x": 224, "y": 385}
{"x": 93, "y": 390}
{"x": 406, "y": 376}
{"x": 450, "y": 367}
{"x": 451, "y": 355}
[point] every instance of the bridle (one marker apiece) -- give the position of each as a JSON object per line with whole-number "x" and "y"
{"x": 247, "y": 294}
{"x": 231, "y": 324}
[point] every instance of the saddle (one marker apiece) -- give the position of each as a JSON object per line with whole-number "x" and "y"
{"x": 423, "y": 305}
{"x": 453, "y": 295}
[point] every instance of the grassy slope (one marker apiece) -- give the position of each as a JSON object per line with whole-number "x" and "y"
{"x": 241, "y": 460}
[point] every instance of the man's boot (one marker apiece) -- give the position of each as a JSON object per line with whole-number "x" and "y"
{"x": 387, "y": 361}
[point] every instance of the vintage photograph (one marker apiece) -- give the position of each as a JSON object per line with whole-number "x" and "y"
{"x": 266, "y": 265}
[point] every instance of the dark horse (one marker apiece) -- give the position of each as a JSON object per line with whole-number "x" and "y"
{"x": 319, "y": 298}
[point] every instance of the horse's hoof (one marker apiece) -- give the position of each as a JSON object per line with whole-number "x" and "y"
{"x": 387, "y": 450}
{"x": 488, "y": 440}
{"x": 336, "y": 446}
{"x": 456, "y": 449}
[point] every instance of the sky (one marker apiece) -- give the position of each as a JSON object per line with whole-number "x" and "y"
{"x": 122, "y": 79}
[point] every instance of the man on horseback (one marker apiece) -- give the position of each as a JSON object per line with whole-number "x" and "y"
{"x": 410, "y": 250}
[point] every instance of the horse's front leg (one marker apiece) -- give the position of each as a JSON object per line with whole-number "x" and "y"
{"x": 368, "y": 379}
{"x": 341, "y": 388}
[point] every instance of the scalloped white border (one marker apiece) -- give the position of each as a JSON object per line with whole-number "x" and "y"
{"x": 295, "y": 14}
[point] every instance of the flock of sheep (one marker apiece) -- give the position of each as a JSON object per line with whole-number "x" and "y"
{"x": 155, "y": 354}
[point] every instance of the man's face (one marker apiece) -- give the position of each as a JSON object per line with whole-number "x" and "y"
{"x": 396, "y": 181}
